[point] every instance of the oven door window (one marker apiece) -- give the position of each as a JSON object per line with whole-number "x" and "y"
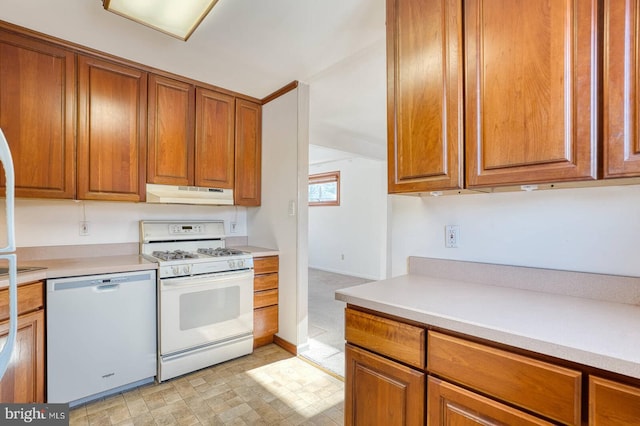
{"x": 209, "y": 307}
{"x": 204, "y": 310}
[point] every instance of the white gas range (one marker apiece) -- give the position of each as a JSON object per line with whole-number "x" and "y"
{"x": 205, "y": 295}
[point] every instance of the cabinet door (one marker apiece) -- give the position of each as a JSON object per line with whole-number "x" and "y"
{"x": 531, "y": 91}
{"x": 37, "y": 109}
{"x": 612, "y": 403}
{"x": 424, "y": 111}
{"x": 621, "y": 116}
{"x": 170, "y": 155}
{"x": 215, "y": 114}
{"x": 248, "y": 153}
{"x": 450, "y": 405}
{"x": 379, "y": 391}
{"x": 112, "y": 131}
{"x": 265, "y": 325}
{"x": 23, "y": 382}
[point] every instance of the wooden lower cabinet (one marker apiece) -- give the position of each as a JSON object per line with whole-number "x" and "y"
{"x": 449, "y": 405}
{"x": 380, "y": 391}
{"x": 612, "y": 403}
{"x": 540, "y": 387}
{"x": 469, "y": 381}
{"x": 265, "y": 300}
{"x": 23, "y": 382}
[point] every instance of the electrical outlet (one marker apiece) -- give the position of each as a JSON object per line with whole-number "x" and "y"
{"x": 451, "y": 236}
{"x": 234, "y": 227}
{"x": 84, "y": 228}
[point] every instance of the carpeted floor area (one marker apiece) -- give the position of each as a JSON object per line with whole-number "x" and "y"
{"x": 326, "y": 319}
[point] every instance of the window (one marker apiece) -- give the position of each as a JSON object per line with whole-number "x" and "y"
{"x": 324, "y": 189}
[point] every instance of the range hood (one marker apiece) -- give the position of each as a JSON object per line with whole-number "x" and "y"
{"x": 170, "y": 194}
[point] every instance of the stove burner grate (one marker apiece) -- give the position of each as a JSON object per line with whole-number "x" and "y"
{"x": 219, "y": 252}
{"x": 174, "y": 255}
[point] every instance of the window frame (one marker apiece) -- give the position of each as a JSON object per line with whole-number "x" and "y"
{"x": 326, "y": 177}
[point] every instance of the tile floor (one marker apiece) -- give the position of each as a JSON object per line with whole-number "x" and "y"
{"x": 268, "y": 387}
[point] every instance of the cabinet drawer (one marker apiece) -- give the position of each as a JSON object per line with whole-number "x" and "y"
{"x": 30, "y": 298}
{"x": 400, "y": 341}
{"x": 450, "y": 404}
{"x": 265, "y": 265}
{"x": 265, "y": 321}
{"x": 538, "y": 386}
{"x": 265, "y": 298}
{"x": 612, "y": 403}
{"x": 265, "y": 282}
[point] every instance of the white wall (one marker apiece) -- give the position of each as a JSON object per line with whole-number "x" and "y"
{"x": 281, "y": 221}
{"x": 56, "y": 222}
{"x": 588, "y": 229}
{"x": 356, "y": 229}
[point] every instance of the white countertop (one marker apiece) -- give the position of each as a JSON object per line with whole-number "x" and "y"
{"x": 257, "y": 251}
{"x": 595, "y": 333}
{"x": 56, "y": 268}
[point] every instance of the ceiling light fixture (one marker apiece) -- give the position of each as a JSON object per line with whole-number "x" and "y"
{"x": 178, "y": 18}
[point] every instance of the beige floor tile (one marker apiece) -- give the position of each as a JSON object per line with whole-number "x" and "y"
{"x": 269, "y": 387}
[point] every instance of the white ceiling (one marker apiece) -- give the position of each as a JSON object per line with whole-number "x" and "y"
{"x": 255, "y": 47}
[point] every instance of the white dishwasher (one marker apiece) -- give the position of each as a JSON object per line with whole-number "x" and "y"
{"x": 101, "y": 335}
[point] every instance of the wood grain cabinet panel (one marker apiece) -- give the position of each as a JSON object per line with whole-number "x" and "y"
{"x": 549, "y": 390}
{"x": 23, "y": 382}
{"x": 450, "y": 405}
{"x": 265, "y": 281}
{"x": 612, "y": 403}
{"x": 170, "y": 148}
{"x": 112, "y": 131}
{"x": 621, "y": 115}
{"x": 265, "y": 265}
{"x": 380, "y": 391}
{"x": 215, "y": 120}
{"x": 30, "y": 298}
{"x": 265, "y": 299}
{"x": 37, "y": 115}
{"x": 400, "y": 341}
{"x": 424, "y": 112}
{"x": 531, "y": 91}
{"x": 248, "y": 161}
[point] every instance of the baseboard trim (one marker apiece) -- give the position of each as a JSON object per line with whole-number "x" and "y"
{"x": 289, "y": 347}
{"x": 347, "y": 273}
{"x": 318, "y": 366}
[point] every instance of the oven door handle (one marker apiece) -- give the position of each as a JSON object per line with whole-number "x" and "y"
{"x": 206, "y": 279}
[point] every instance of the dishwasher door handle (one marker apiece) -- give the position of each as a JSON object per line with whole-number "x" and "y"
{"x": 107, "y": 287}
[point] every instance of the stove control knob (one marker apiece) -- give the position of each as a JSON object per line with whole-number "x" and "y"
{"x": 240, "y": 263}
{"x": 186, "y": 269}
{"x": 232, "y": 264}
{"x": 175, "y": 270}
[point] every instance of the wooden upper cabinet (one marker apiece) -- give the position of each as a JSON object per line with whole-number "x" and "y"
{"x": 424, "y": 111}
{"x": 620, "y": 113}
{"x": 112, "y": 131}
{"x": 248, "y": 165}
{"x": 214, "y": 158}
{"x": 531, "y": 91}
{"x": 37, "y": 109}
{"x": 170, "y": 156}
